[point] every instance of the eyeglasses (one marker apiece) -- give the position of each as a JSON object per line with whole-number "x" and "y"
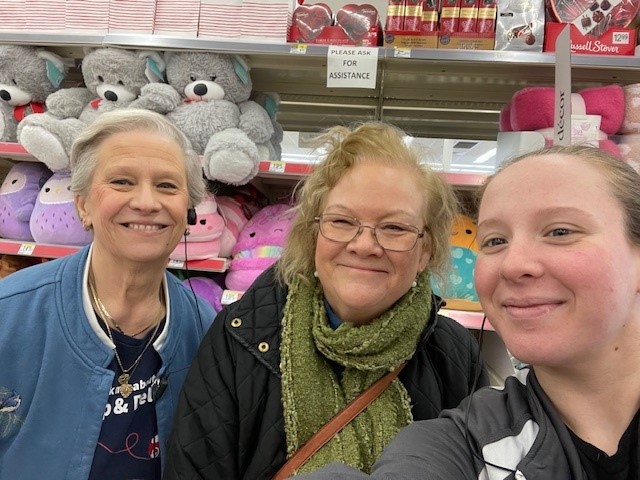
{"x": 397, "y": 237}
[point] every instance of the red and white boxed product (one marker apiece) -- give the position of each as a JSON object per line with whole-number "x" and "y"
{"x": 13, "y": 16}
{"x": 594, "y": 17}
{"x": 45, "y": 15}
{"x": 468, "y": 15}
{"x": 520, "y": 25}
{"x": 412, "y": 15}
{"x": 471, "y": 32}
{"x": 267, "y": 20}
{"x": 220, "y": 19}
{"x": 89, "y": 17}
{"x": 466, "y": 40}
{"x": 486, "y": 17}
{"x": 450, "y": 15}
{"x": 177, "y": 18}
{"x": 395, "y": 15}
{"x": 614, "y": 41}
{"x": 403, "y": 39}
{"x": 354, "y": 25}
{"x": 132, "y": 16}
{"x": 429, "y": 16}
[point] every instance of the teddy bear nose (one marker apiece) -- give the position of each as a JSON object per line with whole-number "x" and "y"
{"x": 200, "y": 89}
{"x": 4, "y": 95}
{"x": 111, "y": 96}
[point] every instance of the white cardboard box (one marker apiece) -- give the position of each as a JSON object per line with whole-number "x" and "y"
{"x": 177, "y": 18}
{"x": 132, "y": 16}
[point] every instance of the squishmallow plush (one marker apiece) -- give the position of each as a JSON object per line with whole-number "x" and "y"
{"x": 259, "y": 246}
{"x": 18, "y": 195}
{"x": 54, "y": 218}
{"x": 459, "y": 291}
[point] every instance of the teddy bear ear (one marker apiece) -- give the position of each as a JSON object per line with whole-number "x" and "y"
{"x": 241, "y": 67}
{"x": 155, "y": 65}
{"x": 56, "y": 68}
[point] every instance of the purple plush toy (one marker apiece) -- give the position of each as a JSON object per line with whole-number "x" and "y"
{"x": 259, "y": 245}
{"x": 17, "y": 198}
{"x": 208, "y": 289}
{"x": 54, "y": 218}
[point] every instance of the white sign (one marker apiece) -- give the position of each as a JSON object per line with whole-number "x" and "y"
{"x": 562, "y": 116}
{"x": 351, "y": 67}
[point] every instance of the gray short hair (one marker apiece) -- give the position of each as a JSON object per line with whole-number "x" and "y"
{"x": 84, "y": 152}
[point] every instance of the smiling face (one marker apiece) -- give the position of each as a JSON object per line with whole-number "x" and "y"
{"x": 556, "y": 275}
{"x": 138, "y": 198}
{"x": 360, "y": 279}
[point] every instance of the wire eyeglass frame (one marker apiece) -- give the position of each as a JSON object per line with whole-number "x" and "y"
{"x": 354, "y": 223}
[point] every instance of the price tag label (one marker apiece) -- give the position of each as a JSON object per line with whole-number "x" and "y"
{"x": 299, "y": 48}
{"x": 621, "y": 38}
{"x": 26, "y": 249}
{"x": 230, "y": 296}
{"x": 175, "y": 263}
{"x": 277, "y": 167}
{"x": 402, "y": 52}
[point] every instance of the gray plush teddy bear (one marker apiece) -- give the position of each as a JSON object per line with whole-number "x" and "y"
{"x": 28, "y": 75}
{"x": 113, "y": 78}
{"x": 207, "y": 97}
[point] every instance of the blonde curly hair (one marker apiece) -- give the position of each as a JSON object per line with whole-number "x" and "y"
{"x": 371, "y": 142}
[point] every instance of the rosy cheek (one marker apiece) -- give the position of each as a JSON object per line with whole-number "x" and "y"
{"x": 485, "y": 276}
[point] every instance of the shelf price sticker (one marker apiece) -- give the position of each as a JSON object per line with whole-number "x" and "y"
{"x": 277, "y": 167}
{"x": 401, "y": 52}
{"x": 26, "y": 249}
{"x": 298, "y": 48}
{"x": 351, "y": 67}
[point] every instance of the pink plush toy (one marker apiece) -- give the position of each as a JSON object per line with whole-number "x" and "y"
{"x": 204, "y": 237}
{"x": 208, "y": 289}
{"x": 629, "y": 140}
{"x": 235, "y": 219}
{"x": 259, "y": 245}
{"x": 54, "y": 218}
{"x": 532, "y": 109}
{"x": 18, "y": 195}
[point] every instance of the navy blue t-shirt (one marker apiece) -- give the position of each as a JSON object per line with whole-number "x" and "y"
{"x": 128, "y": 447}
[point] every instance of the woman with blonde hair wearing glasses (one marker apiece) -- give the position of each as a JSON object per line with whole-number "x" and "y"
{"x": 349, "y": 301}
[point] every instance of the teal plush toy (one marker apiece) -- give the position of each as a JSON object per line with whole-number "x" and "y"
{"x": 459, "y": 291}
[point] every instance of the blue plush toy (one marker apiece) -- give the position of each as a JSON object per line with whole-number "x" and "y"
{"x": 459, "y": 291}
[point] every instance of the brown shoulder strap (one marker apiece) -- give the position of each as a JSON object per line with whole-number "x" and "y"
{"x": 337, "y": 423}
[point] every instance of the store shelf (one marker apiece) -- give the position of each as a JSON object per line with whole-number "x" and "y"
{"x": 434, "y": 93}
{"x": 268, "y": 169}
{"x": 15, "y": 151}
{"x": 284, "y": 170}
{"x": 33, "y": 249}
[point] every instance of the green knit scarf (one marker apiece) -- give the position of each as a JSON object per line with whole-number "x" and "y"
{"x": 312, "y": 393}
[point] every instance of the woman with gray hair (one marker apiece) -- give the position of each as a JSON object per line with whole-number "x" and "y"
{"x": 95, "y": 346}
{"x": 348, "y": 302}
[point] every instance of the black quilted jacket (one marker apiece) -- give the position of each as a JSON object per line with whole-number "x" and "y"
{"x": 229, "y": 422}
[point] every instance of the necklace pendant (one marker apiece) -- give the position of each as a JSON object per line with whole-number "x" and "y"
{"x": 126, "y": 388}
